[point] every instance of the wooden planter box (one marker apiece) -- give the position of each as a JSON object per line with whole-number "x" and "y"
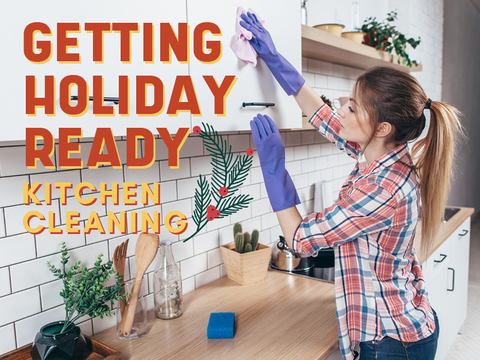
{"x": 248, "y": 267}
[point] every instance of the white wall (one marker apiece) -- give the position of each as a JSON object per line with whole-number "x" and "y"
{"x": 29, "y": 294}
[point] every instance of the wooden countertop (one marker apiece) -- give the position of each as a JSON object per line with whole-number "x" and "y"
{"x": 446, "y": 230}
{"x": 283, "y": 317}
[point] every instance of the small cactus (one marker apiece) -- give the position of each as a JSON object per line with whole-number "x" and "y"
{"x": 254, "y": 240}
{"x": 237, "y": 228}
{"x": 247, "y": 238}
{"x": 239, "y": 243}
{"x": 244, "y": 242}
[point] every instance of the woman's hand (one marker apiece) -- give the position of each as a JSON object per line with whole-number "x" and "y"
{"x": 271, "y": 152}
{"x": 262, "y": 41}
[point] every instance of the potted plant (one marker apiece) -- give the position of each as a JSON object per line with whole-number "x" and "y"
{"x": 385, "y": 36}
{"x": 84, "y": 293}
{"x": 246, "y": 260}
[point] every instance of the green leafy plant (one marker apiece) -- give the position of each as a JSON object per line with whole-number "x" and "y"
{"x": 385, "y": 36}
{"x": 220, "y": 199}
{"x": 243, "y": 241}
{"x": 84, "y": 292}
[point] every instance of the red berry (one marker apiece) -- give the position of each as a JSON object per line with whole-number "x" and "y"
{"x": 196, "y": 129}
{"x": 223, "y": 191}
{"x": 250, "y": 151}
{"x": 211, "y": 208}
{"x": 210, "y": 217}
{"x": 216, "y": 213}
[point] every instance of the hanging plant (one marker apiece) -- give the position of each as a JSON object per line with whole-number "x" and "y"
{"x": 385, "y": 36}
{"x": 219, "y": 199}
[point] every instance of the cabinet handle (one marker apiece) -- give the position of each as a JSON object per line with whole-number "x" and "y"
{"x": 453, "y": 280}
{"x": 441, "y": 260}
{"x": 106, "y": 98}
{"x": 258, "y": 104}
{"x": 465, "y": 232}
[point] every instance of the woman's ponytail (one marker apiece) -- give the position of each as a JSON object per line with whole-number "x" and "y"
{"x": 433, "y": 156}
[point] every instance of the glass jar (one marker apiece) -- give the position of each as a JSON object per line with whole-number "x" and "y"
{"x": 167, "y": 284}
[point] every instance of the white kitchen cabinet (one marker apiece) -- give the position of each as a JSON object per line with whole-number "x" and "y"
{"x": 253, "y": 84}
{"x": 15, "y": 65}
{"x": 446, "y": 277}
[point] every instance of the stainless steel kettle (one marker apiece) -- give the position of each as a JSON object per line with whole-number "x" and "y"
{"x": 284, "y": 258}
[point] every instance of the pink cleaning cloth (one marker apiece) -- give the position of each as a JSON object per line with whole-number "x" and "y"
{"x": 241, "y": 46}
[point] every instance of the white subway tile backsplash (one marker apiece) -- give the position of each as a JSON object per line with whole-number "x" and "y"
{"x": 309, "y": 78}
{"x": 7, "y": 334}
{"x": 314, "y": 66}
{"x": 107, "y": 175}
{"x": 269, "y": 220}
{"x": 182, "y": 250}
{"x": 27, "y": 328}
{"x": 308, "y": 165}
{"x": 256, "y": 175}
{"x": 327, "y": 149}
{"x": 218, "y": 223}
{"x": 214, "y": 258}
{"x": 289, "y": 154}
{"x": 294, "y": 167}
{"x": 148, "y": 175}
{"x": 11, "y": 190}
{"x": 201, "y": 165}
{"x": 72, "y": 176}
{"x": 74, "y": 205}
{"x": 260, "y": 207}
{"x": 4, "y": 281}
{"x": 184, "y": 206}
{"x": 239, "y": 142}
{"x": 167, "y": 173}
{"x": 241, "y": 215}
{"x": 252, "y": 190}
{"x": 15, "y": 249}
{"x": 333, "y": 82}
{"x": 19, "y": 305}
{"x": 193, "y": 146}
{"x": 12, "y": 160}
{"x": 332, "y": 160}
{"x": 205, "y": 242}
{"x": 86, "y": 327}
{"x": 225, "y": 235}
{"x": 320, "y": 81}
{"x": 314, "y": 150}
{"x": 207, "y": 277}
{"x": 50, "y": 294}
{"x": 100, "y": 325}
{"x": 2, "y": 224}
{"x": 321, "y": 163}
{"x": 300, "y": 152}
{"x": 14, "y": 217}
{"x": 252, "y": 224}
{"x": 193, "y": 265}
{"x": 186, "y": 188}
{"x": 188, "y": 285}
{"x": 301, "y": 181}
{"x": 293, "y": 138}
{"x": 168, "y": 191}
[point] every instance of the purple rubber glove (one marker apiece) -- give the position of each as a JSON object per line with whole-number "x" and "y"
{"x": 271, "y": 152}
{"x": 287, "y": 76}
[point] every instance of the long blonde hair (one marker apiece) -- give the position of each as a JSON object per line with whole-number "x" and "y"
{"x": 390, "y": 95}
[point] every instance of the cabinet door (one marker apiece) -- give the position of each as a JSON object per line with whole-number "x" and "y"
{"x": 436, "y": 289}
{"x": 253, "y": 84}
{"x": 15, "y": 65}
{"x": 458, "y": 279}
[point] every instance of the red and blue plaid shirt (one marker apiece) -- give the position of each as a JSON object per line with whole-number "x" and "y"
{"x": 379, "y": 285}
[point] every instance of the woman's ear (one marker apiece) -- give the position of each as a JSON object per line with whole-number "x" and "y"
{"x": 384, "y": 129}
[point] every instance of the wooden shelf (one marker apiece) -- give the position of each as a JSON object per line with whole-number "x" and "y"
{"x": 321, "y": 45}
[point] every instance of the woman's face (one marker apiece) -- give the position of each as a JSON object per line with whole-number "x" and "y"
{"x": 354, "y": 122}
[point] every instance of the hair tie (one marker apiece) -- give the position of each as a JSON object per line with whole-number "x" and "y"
{"x": 429, "y": 102}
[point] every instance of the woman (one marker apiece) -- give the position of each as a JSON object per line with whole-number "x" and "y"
{"x": 380, "y": 291}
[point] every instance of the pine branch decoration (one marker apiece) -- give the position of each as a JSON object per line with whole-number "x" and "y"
{"x": 228, "y": 176}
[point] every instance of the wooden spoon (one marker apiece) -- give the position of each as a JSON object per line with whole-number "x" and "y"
{"x": 145, "y": 251}
{"x": 119, "y": 257}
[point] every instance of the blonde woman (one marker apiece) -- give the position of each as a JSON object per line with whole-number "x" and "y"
{"x": 380, "y": 291}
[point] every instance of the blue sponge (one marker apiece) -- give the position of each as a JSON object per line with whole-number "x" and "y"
{"x": 220, "y": 325}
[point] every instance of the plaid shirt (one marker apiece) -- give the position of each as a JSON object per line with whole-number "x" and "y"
{"x": 379, "y": 285}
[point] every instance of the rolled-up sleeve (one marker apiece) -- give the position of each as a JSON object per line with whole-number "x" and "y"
{"x": 367, "y": 209}
{"x": 327, "y": 123}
